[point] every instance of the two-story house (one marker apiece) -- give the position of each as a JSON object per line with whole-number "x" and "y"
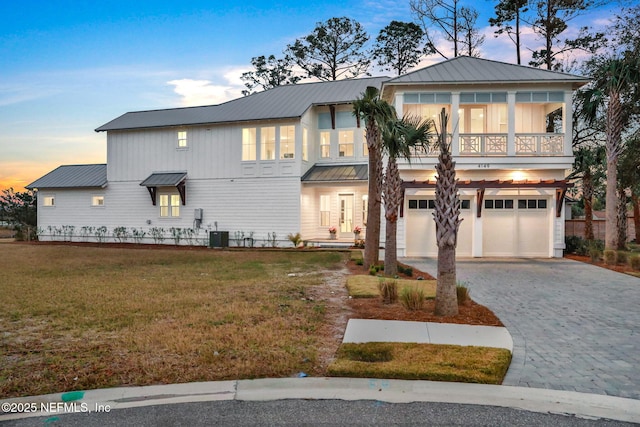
{"x": 294, "y": 159}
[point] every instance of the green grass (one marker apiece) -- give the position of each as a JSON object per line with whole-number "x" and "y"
{"x": 412, "y": 361}
{"x": 78, "y": 318}
{"x": 362, "y": 286}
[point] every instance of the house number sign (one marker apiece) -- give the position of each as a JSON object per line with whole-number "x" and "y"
{"x": 484, "y": 165}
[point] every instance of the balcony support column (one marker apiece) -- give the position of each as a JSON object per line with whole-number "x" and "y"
{"x": 511, "y": 123}
{"x": 567, "y": 122}
{"x": 455, "y": 124}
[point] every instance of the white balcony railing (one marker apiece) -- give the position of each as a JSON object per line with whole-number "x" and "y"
{"x": 485, "y": 144}
{"x": 488, "y": 144}
{"x": 539, "y": 144}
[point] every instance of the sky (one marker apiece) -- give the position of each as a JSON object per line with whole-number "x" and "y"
{"x": 68, "y": 67}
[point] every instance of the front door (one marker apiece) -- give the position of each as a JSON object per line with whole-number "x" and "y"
{"x": 346, "y": 214}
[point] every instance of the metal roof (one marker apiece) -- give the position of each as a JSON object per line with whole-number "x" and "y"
{"x": 466, "y": 69}
{"x": 290, "y": 101}
{"x": 336, "y": 173}
{"x": 73, "y": 176}
{"x": 164, "y": 179}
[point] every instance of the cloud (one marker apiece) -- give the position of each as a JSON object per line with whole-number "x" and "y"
{"x": 10, "y": 95}
{"x": 196, "y": 92}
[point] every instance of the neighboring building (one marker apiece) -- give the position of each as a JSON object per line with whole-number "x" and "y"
{"x": 294, "y": 159}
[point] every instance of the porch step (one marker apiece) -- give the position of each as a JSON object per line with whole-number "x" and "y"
{"x": 328, "y": 243}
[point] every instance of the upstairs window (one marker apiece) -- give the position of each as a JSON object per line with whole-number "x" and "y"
{"x": 345, "y": 141}
{"x": 305, "y": 144}
{"x": 287, "y": 142}
{"x": 325, "y": 145}
{"x": 182, "y": 139}
{"x": 248, "y": 144}
{"x": 268, "y": 143}
{"x": 49, "y": 200}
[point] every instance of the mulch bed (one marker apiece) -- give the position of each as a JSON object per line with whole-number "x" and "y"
{"x": 620, "y": 268}
{"x": 470, "y": 313}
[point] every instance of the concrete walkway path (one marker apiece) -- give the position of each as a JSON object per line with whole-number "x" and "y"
{"x": 574, "y": 326}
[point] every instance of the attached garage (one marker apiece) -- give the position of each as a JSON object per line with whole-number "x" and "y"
{"x": 421, "y": 228}
{"x": 518, "y": 227}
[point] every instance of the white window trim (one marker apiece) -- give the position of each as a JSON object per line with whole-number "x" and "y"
{"x": 53, "y": 199}
{"x": 169, "y": 206}
{"x": 180, "y": 139}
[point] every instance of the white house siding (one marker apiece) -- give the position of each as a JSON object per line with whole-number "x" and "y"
{"x": 212, "y": 152}
{"x": 258, "y": 206}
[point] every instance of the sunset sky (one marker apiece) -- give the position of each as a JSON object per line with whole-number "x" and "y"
{"x": 68, "y": 67}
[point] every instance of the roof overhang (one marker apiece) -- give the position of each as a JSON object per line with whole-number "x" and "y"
{"x": 336, "y": 173}
{"x": 560, "y": 186}
{"x": 166, "y": 179}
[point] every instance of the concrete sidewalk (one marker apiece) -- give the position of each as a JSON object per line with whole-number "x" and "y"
{"x": 370, "y": 330}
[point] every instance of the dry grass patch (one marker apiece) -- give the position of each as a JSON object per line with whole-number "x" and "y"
{"x": 77, "y": 318}
{"x": 361, "y": 286}
{"x": 412, "y": 361}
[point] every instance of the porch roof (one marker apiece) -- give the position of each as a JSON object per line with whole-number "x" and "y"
{"x": 164, "y": 179}
{"x": 336, "y": 173}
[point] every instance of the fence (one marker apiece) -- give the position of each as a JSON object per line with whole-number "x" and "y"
{"x": 575, "y": 227}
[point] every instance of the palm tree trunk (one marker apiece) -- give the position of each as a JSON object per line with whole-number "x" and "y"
{"x": 447, "y": 218}
{"x": 614, "y": 125}
{"x": 372, "y": 238}
{"x": 635, "y": 201}
{"x": 587, "y": 194}
{"x": 622, "y": 220}
{"x": 392, "y": 200}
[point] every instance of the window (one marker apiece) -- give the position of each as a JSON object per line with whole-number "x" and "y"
{"x": 498, "y": 204}
{"x": 97, "y": 201}
{"x": 287, "y": 142}
{"x": 365, "y": 147}
{"x": 248, "y": 144}
{"x": 49, "y": 201}
{"x": 365, "y": 208}
{"x": 345, "y": 141}
{"x": 325, "y": 210}
{"x": 169, "y": 205}
{"x": 325, "y": 145}
{"x": 305, "y": 144}
{"x": 422, "y": 204}
{"x": 268, "y": 143}
{"x": 182, "y": 139}
{"x": 465, "y": 204}
{"x": 532, "y": 204}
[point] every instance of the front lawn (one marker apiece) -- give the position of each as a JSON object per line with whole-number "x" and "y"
{"x": 77, "y": 318}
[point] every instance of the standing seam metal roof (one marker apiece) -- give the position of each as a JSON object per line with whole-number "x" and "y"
{"x": 164, "y": 179}
{"x": 68, "y": 176}
{"x": 290, "y": 101}
{"x": 466, "y": 69}
{"x": 336, "y": 173}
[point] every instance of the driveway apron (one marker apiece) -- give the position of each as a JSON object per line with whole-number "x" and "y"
{"x": 574, "y": 326}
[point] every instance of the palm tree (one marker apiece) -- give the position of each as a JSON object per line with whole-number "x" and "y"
{"x": 398, "y": 137}
{"x": 447, "y": 217}
{"x": 373, "y": 111}
{"x": 615, "y": 82}
{"x": 588, "y": 168}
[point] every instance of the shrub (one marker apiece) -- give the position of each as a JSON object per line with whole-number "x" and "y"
{"x": 388, "y": 291}
{"x": 595, "y": 254}
{"x": 412, "y": 298}
{"x": 359, "y": 243}
{"x": 634, "y": 262}
{"x": 462, "y": 293}
{"x": 574, "y": 244}
{"x": 405, "y": 270}
{"x": 610, "y": 257}
{"x": 359, "y": 262}
{"x": 296, "y": 239}
{"x": 622, "y": 257}
{"x": 374, "y": 269}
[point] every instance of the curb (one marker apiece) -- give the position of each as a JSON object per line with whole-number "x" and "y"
{"x": 583, "y": 405}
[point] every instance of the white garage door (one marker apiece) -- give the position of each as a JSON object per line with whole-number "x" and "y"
{"x": 516, "y": 227}
{"x": 421, "y": 228}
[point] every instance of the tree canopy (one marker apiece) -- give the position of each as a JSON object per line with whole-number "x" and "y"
{"x": 268, "y": 73}
{"x": 398, "y": 46}
{"x": 335, "y": 49}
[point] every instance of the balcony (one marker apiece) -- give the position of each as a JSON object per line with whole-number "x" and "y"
{"x": 497, "y": 144}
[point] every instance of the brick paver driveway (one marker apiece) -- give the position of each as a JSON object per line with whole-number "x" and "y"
{"x": 574, "y": 326}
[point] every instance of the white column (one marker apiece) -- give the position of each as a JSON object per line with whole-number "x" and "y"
{"x": 511, "y": 123}
{"x": 567, "y": 122}
{"x": 399, "y": 104}
{"x": 455, "y": 124}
